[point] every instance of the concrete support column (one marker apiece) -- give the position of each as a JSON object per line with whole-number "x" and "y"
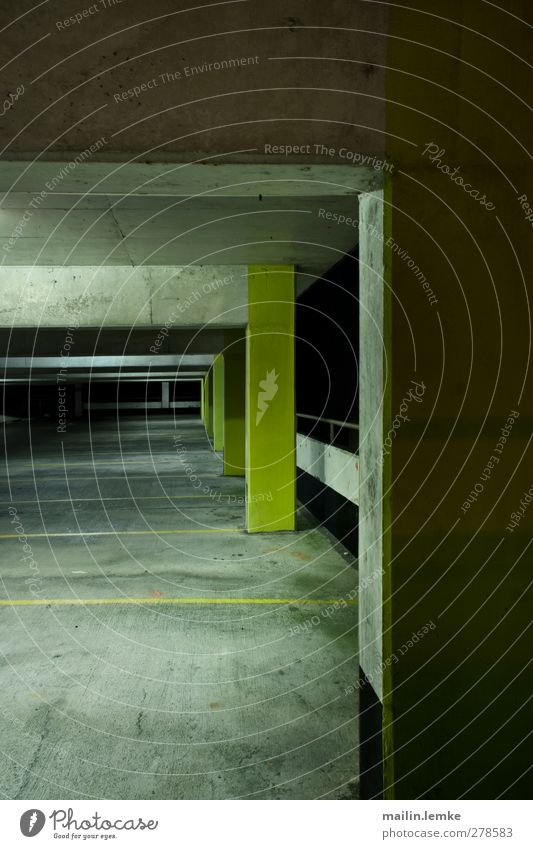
{"x": 165, "y": 395}
{"x": 78, "y": 400}
{"x": 270, "y": 403}
{"x": 374, "y": 413}
{"x": 234, "y": 403}
{"x": 209, "y": 402}
{"x": 218, "y": 403}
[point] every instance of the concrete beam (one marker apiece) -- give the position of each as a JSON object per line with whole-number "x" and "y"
{"x": 139, "y": 405}
{"x": 107, "y": 341}
{"x": 148, "y": 296}
{"x": 186, "y": 180}
{"x": 92, "y": 377}
{"x": 158, "y": 360}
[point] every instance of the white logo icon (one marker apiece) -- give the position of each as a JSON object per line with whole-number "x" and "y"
{"x": 269, "y": 388}
{"x": 32, "y": 822}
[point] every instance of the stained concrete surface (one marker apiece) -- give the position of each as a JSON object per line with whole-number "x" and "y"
{"x": 131, "y": 692}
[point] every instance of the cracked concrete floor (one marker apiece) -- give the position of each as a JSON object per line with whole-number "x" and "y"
{"x": 149, "y": 647}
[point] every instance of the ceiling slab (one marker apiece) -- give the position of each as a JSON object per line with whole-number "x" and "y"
{"x": 309, "y": 232}
{"x": 137, "y": 214}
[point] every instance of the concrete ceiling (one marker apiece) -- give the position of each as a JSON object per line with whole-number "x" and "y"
{"x": 108, "y": 214}
{"x": 201, "y": 231}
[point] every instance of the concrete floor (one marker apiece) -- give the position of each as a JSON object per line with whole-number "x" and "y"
{"x": 128, "y": 691}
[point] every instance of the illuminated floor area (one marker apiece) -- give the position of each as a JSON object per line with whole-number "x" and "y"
{"x": 150, "y": 647}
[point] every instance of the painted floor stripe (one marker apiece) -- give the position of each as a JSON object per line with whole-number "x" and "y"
{"x": 60, "y": 479}
{"x": 92, "y": 463}
{"x": 41, "y": 602}
{"x": 129, "y": 455}
{"x": 218, "y": 497}
{"x": 122, "y": 533}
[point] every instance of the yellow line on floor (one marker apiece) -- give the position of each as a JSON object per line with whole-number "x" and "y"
{"x": 218, "y": 497}
{"x": 58, "y": 479}
{"x": 40, "y": 602}
{"x": 76, "y": 456}
{"x": 142, "y": 452}
{"x": 92, "y": 463}
{"x": 123, "y": 533}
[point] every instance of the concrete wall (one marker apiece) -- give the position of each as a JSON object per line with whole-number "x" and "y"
{"x": 333, "y": 466}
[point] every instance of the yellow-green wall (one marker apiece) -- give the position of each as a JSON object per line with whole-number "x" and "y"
{"x": 455, "y": 707}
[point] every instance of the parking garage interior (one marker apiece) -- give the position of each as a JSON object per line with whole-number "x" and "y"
{"x": 258, "y": 345}
{"x": 169, "y": 650}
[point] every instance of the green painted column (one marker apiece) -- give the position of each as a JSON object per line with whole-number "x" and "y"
{"x": 234, "y": 402}
{"x": 270, "y": 404}
{"x": 209, "y": 402}
{"x": 218, "y": 403}
{"x": 202, "y": 391}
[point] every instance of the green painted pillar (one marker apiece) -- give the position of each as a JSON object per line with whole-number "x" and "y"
{"x": 270, "y": 405}
{"x": 209, "y": 402}
{"x": 234, "y": 402}
{"x": 218, "y": 403}
{"x": 202, "y": 393}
